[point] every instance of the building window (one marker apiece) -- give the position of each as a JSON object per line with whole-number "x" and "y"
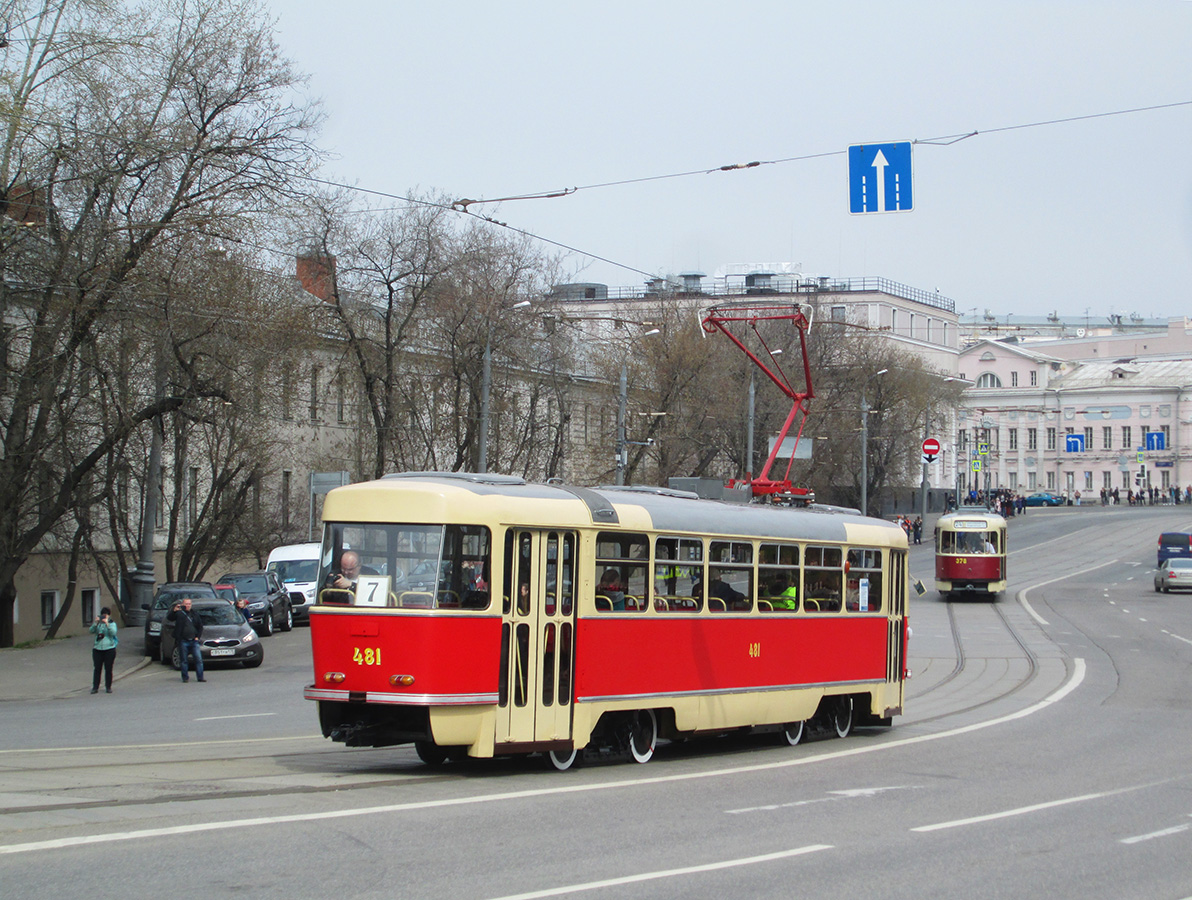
{"x": 1032, "y": 439}
{"x": 893, "y": 321}
{"x": 49, "y": 607}
{"x": 1034, "y": 378}
{"x": 286, "y": 477}
{"x": 962, "y": 440}
{"x": 1166, "y": 429}
{"x": 287, "y": 391}
{"x": 89, "y": 604}
{"x": 1051, "y": 481}
{"x": 314, "y": 393}
{"x": 1032, "y": 481}
{"x": 1126, "y": 483}
{"x": 1013, "y": 481}
{"x": 927, "y": 331}
{"x": 989, "y": 380}
{"x": 1088, "y": 481}
{"x": 1107, "y": 437}
{"x": 1088, "y": 441}
{"x": 192, "y": 497}
{"x": 1107, "y": 480}
{"x": 910, "y": 328}
{"x": 1050, "y": 440}
{"x": 1013, "y": 379}
{"x": 1013, "y": 437}
{"x": 1127, "y": 438}
{"x": 341, "y": 406}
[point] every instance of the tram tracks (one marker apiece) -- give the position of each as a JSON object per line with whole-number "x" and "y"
{"x": 964, "y": 660}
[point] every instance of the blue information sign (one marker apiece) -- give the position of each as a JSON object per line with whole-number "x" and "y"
{"x": 1074, "y": 443}
{"x": 1154, "y": 440}
{"x": 879, "y": 178}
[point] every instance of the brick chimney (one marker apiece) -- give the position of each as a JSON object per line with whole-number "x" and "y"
{"x": 316, "y": 273}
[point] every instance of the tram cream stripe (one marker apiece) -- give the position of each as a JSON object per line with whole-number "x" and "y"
{"x": 666, "y": 873}
{"x": 1078, "y": 672}
{"x": 1022, "y": 594}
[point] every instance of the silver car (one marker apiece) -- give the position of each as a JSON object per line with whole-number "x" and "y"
{"x": 1173, "y": 573}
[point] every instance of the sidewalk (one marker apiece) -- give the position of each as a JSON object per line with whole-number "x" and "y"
{"x": 62, "y": 668}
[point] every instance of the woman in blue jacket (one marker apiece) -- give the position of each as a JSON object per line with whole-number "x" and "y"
{"x": 103, "y": 654}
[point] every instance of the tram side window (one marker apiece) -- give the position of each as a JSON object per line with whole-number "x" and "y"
{"x": 730, "y": 576}
{"x": 622, "y": 568}
{"x": 864, "y": 582}
{"x": 778, "y": 577}
{"x": 823, "y": 578}
{"x": 678, "y": 568}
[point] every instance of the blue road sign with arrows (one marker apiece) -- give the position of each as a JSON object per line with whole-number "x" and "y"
{"x": 879, "y": 178}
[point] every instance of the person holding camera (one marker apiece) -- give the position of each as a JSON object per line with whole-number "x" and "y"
{"x": 188, "y": 629}
{"x": 103, "y": 653}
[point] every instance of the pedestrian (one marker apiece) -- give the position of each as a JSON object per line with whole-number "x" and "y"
{"x": 103, "y": 653}
{"x": 188, "y": 629}
{"x": 918, "y": 527}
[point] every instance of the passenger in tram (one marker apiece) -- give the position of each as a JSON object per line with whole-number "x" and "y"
{"x": 989, "y": 547}
{"x": 718, "y": 587}
{"x": 783, "y": 595}
{"x": 610, "y": 587}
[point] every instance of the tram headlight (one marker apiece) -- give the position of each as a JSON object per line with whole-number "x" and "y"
{"x": 401, "y": 680}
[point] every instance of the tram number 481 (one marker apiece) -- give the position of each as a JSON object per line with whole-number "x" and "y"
{"x": 755, "y": 650}
{"x": 368, "y": 656}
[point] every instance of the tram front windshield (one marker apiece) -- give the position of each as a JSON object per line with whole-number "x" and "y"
{"x": 969, "y": 542}
{"x": 411, "y": 566}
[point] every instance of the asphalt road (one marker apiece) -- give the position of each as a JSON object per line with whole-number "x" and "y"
{"x": 1045, "y": 750}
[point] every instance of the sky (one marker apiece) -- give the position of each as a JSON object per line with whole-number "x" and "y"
{"x": 485, "y": 100}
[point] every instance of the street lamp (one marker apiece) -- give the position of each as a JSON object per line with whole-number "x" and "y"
{"x": 865, "y": 442}
{"x": 622, "y": 403}
{"x": 486, "y": 384}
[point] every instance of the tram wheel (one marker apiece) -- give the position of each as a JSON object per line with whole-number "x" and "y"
{"x": 430, "y": 753}
{"x": 792, "y": 733}
{"x": 842, "y": 716}
{"x": 562, "y": 760}
{"x": 643, "y": 734}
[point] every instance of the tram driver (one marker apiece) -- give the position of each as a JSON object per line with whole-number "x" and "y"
{"x": 349, "y": 572}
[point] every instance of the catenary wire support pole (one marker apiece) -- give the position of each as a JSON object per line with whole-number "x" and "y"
{"x": 865, "y": 442}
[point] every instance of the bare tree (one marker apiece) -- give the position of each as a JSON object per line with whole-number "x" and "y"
{"x": 166, "y": 125}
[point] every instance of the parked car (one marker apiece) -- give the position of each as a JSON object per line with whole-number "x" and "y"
{"x": 297, "y": 567}
{"x": 1044, "y": 499}
{"x": 1173, "y": 573}
{"x": 167, "y": 595}
{"x": 227, "y": 638}
{"x": 1174, "y": 545}
{"x": 268, "y": 602}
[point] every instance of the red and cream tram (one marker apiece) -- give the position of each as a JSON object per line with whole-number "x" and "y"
{"x": 483, "y": 615}
{"x": 970, "y": 552}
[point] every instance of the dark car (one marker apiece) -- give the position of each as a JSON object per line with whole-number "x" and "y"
{"x": 1174, "y": 545}
{"x": 227, "y": 638}
{"x": 1044, "y": 499}
{"x": 269, "y": 605}
{"x": 167, "y": 595}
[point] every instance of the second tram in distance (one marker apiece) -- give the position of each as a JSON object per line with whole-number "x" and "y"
{"x": 970, "y": 552}
{"x": 482, "y": 615}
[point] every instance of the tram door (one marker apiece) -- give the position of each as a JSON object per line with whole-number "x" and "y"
{"x": 537, "y": 637}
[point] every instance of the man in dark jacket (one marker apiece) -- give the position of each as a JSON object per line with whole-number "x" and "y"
{"x": 188, "y": 628}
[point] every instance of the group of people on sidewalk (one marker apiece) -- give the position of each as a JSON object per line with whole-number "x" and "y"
{"x": 188, "y": 630}
{"x": 912, "y": 527}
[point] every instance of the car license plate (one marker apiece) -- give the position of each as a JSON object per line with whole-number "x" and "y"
{"x": 223, "y": 652}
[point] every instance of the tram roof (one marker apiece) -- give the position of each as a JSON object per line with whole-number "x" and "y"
{"x": 466, "y": 497}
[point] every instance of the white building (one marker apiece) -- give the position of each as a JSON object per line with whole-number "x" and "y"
{"x": 1059, "y": 424}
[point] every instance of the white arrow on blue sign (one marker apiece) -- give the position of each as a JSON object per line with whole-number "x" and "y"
{"x": 879, "y": 178}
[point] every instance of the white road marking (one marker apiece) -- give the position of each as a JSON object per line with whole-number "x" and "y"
{"x": 1006, "y": 814}
{"x": 1078, "y": 673}
{"x": 665, "y": 873}
{"x": 851, "y": 794}
{"x": 240, "y": 716}
{"x": 170, "y": 745}
{"x": 1030, "y": 609}
{"x": 1175, "y": 829}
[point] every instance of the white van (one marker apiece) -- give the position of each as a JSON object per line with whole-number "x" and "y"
{"x": 297, "y": 565}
